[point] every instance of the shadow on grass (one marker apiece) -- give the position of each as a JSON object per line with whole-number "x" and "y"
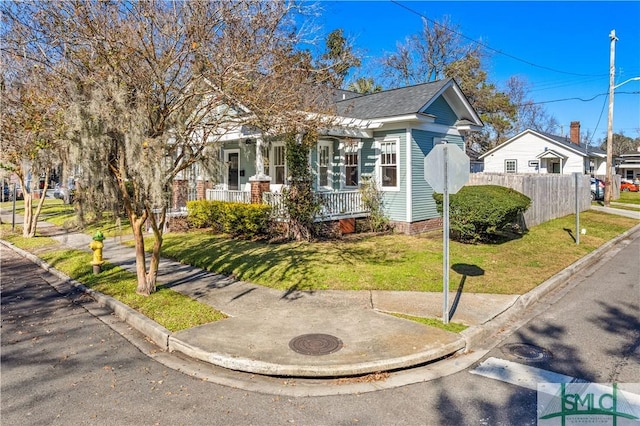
{"x": 292, "y": 267}
{"x": 241, "y": 260}
{"x": 570, "y": 232}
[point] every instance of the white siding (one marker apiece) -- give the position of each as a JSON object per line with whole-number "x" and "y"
{"x": 525, "y": 149}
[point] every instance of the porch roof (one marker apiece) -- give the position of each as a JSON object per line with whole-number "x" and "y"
{"x": 550, "y": 154}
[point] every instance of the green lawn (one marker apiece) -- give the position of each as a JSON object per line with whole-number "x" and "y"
{"x": 357, "y": 262}
{"x": 386, "y": 262}
{"x": 629, "y": 198}
{"x": 399, "y": 262}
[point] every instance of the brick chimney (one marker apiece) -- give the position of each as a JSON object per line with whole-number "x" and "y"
{"x": 575, "y": 132}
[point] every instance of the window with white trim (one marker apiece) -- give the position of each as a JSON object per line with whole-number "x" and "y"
{"x": 389, "y": 163}
{"x": 265, "y": 159}
{"x": 351, "y": 169}
{"x": 279, "y": 162}
{"x": 324, "y": 160}
{"x": 510, "y": 166}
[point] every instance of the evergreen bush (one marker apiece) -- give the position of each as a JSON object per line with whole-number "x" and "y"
{"x": 237, "y": 219}
{"x": 484, "y": 213}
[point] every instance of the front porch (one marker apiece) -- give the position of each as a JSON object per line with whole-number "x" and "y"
{"x": 335, "y": 205}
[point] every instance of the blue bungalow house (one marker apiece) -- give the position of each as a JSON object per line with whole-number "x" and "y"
{"x": 382, "y": 136}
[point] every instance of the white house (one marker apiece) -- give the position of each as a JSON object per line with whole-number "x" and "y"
{"x": 538, "y": 152}
{"x": 629, "y": 165}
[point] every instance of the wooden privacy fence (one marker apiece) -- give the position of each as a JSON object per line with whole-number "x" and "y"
{"x": 552, "y": 195}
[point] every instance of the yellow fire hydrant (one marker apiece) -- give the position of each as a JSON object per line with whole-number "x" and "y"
{"x": 96, "y": 245}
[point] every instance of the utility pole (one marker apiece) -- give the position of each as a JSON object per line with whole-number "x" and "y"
{"x": 608, "y": 182}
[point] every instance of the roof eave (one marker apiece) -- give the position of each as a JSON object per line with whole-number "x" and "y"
{"x": 414, "y": 118}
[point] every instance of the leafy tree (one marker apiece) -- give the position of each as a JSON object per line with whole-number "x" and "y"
{"x": 621, "y": 144}
{"x": 152, "y": 88}
{"x": 364, "y": 85}
{"x": 338, "y": 58}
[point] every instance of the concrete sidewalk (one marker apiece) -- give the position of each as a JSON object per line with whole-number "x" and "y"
{"x": 633, "y": 214}
{"x": 311, "y": 334}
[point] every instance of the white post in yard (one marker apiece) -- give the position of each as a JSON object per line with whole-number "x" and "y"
{"x": 445, "y": 240}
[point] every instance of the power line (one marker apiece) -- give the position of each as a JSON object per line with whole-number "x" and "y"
{"x": 500, "y": 52}
{"x": 597, "y": 123}
{"x": 579, "y": 99}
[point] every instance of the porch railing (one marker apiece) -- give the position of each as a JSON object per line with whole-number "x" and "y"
{"x": 334, "y": 205}
{"x": 228, "y": 196}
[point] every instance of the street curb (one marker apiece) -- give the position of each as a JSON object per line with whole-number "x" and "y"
{"x": 471, "y": 339}
{"x": 271, "y": 369}
{"x": 474, "y": 336}
{"x": 151, "y": 329}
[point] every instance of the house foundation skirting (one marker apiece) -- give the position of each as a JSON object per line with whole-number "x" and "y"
{"x": 417, "y": 227}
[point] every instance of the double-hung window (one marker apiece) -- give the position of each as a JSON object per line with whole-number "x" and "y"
{"x": 324, "y": 160}
{"x": 389, "y": 163}
{"x": 351, "y": 169}
{"x": 279, "y": 160}
{"x": 265, "y": 160}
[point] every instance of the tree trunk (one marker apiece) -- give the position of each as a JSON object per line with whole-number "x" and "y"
{"x": 157, "y": 225}
{"x": 144, "y": 287}
{"x": 30, "y": 223}
{"x": 27, "y": 231}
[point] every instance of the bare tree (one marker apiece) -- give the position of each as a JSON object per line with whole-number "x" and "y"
{"x": 30, "y": 128}
{"x": 425, "y": 56}
{"x": 153, "y": 87}
{"x": 438, "y": 52}
{"x": 529, "y": 114}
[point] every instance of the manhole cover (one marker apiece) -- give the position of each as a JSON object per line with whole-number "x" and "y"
{"x": 527, "y": 352}
{"x": 315, "y": 344}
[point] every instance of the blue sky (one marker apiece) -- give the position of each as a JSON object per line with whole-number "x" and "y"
{"x": 570, "y": 38}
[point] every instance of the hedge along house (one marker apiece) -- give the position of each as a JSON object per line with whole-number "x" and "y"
{"x": 382, "y": 136}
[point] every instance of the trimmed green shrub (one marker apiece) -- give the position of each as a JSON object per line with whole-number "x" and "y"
{"x": 484, "y": 213}
{"x": 238, "y": 219}
{"x": 246, "y": 220}
{"x": 205, "y": 214}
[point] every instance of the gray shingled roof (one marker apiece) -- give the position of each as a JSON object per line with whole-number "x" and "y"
{"x": 390, "y": 103}
{"x": 567, "y": 142}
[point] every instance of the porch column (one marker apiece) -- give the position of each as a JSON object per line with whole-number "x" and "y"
{"x": 180, "y": 191}
{"x": 258, "y": 186}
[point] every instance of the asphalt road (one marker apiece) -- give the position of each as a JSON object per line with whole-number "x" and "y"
{"x": 62, "y": 362}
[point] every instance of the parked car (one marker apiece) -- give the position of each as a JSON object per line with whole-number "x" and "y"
{"x": 629, "y": 186}
{"x": 597, "y": 189}
{"x": 65, "y": 193}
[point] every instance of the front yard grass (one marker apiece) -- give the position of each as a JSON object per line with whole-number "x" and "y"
{"x": 172, "y": 310}
{"x": 357, "y": 262}
{"x": 399, "y": 262}
{"x": 629, "y": 198}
